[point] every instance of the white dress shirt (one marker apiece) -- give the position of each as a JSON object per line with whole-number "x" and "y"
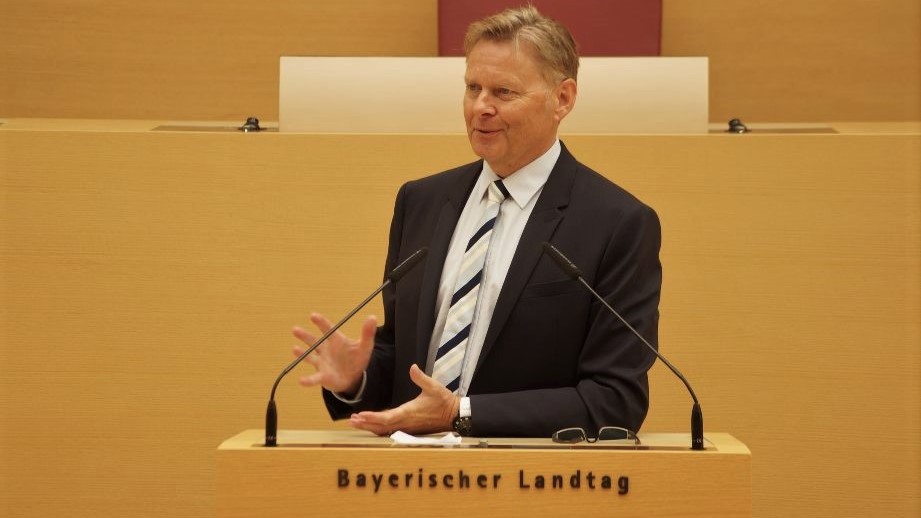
{"x": 524, "y": 186}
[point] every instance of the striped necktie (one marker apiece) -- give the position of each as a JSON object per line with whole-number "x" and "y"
{"x": 449, "y": 360}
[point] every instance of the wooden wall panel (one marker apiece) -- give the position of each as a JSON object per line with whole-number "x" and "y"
{"x": 821, "y": 60}
{"x": 148, "y": 281}
{"x": 212, "y": 59}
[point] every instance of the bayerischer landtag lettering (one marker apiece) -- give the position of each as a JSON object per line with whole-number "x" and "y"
{"x": 419, "y": 479}
{"x": 574, "y": 481}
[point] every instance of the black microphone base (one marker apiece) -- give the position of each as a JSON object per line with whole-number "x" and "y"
{"x": 271, "y": 424}
{"x": 697, "y": 428}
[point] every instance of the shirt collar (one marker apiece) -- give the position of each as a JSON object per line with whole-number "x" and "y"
{"x": 524, "y": 183}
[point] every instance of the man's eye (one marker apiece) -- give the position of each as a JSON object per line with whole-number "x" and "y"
{"x": 504, "y": 92}
{"x": 473, "y": 88}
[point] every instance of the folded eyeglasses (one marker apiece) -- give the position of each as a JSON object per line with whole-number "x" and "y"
{"x": 606, "y": 433}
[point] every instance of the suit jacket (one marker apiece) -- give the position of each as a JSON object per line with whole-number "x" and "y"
{"x": 553, "y": 357}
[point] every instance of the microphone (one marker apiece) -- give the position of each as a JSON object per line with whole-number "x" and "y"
{"x": 697, "y": 418}
{"x": 271, "y": 414}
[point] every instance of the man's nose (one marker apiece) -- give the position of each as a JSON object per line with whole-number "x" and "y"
{"x": 484, "y": 104}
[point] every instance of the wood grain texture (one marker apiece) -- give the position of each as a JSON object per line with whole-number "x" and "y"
{"x": 148, "y": 281}
{"x": 837, "y": 60}
{"x": 830, "y": 60}
{"x": 254, "y": 481}
{"x": 212, "y": 59}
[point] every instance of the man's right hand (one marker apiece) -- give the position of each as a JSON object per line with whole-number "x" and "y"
{"x": 340, "y": 362}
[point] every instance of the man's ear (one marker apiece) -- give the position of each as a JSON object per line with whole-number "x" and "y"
{"x": 565, "y": 97}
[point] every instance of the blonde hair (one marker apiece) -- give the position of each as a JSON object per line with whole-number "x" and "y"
{"x": 551, "y": 41}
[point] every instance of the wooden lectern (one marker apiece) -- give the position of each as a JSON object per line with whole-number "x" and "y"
{"x": 353, "y": 473}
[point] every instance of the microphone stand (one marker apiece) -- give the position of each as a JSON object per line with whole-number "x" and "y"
{"x": 697, "y": 418}
{"x": 271, "y": 414}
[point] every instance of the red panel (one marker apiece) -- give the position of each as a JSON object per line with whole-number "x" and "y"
{"x": 600, "y": 27}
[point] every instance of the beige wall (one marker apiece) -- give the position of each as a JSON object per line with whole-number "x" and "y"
{"x": 819, "y": 60}
{"x": 149, "y": 280}
{"x": 174, "y": 59}
{"x": 794, "y": 60}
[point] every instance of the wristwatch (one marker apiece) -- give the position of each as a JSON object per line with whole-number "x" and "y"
{"x": 463, "y": 426}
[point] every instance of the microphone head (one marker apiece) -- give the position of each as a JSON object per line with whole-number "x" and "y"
{"x": 562, "y": 261}
{"x": 408, "y": 264}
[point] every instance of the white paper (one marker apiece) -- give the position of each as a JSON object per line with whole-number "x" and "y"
{"x": 404, "y": 438}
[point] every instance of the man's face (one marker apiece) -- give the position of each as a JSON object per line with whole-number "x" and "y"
{"x": 512, "y": 113}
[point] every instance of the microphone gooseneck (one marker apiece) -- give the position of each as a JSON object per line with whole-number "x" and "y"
{"x": 271, "y": 414}
{"x": 697, "y": 419}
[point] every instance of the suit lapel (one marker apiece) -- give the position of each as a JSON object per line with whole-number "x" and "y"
{"x": 454, "y": 201}
{"x": 547, "y": 214}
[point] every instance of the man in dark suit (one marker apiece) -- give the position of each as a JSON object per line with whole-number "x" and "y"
{"x": 489, "y": 337}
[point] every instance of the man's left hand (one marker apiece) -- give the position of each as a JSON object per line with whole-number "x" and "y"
{"x": 431, "y": 411}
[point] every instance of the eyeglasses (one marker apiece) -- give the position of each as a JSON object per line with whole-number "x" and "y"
{"x": 606, "y": 433}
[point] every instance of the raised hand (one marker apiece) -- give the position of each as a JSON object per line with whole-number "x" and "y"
{"x": 339, "y": 362}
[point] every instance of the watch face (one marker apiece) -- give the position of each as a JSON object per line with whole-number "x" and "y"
{"x": 463, "y": 425}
